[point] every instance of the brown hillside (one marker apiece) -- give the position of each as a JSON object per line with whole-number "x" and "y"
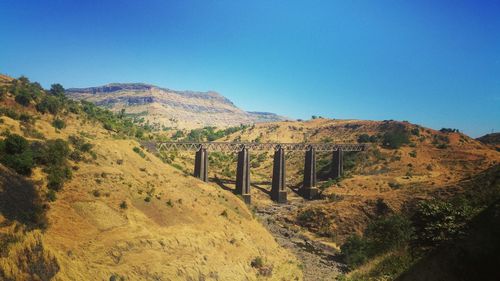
{"x": 432, "y": 163}
{"x": 170, "y": 226}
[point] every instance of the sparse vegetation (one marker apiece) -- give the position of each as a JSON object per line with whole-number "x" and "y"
{"x": 381, "y": 236}
{"x": 395, "y": 139}
{"x": 139, "y": 151}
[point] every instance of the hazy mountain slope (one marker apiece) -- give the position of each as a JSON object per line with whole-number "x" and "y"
{"x": 492, "y": 139}
{"x": 169, "y": 108}
{"x": 127, "y": 214}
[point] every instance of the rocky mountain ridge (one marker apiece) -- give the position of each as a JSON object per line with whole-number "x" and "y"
{"x": 171, "y": 108}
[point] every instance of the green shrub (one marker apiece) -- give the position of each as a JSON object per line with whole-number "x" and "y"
{"x": 50, "y": 104}
{"x": 57, "y": 90}
{"x": 439, "y": 221}
{"x": 139, "y": 151}
{"x": 56, "y": 152}
{"x": 389, "y": 233}
{"x": 415, "y": 132}
{"x": 257, "y": 262}
{"x": 16, "y": 154}
{"x": 364, "y": 138}
{"x": 57, "y": 175}
{"x": 51, "y": 195}
{"x": 395, "y": 139}
{"x": 80, "y": 144}
{"x": 22, "y": 163}
{"x": 23, "y": 117}
{"x": 58, "y": 123}
{"x": 355, "y": 251}
{"x": 413, "y": 154}
{"x": 123, "y": 205}
{"x": 449, "y": 130}
{"x": 15, "y": 144}
{"x": 23, "y": 98}
{"x": 9, "y": 112}
{"x": 382, "y": 235}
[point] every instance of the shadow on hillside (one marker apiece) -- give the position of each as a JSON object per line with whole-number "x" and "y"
{"x": 264, "y": 190}
{"x": 19, "y": 200}
{"x": 222, "y": 183}
{"x": 475, "y": 256}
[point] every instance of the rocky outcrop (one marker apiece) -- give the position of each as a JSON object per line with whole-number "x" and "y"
{"x": 171, "y": 108}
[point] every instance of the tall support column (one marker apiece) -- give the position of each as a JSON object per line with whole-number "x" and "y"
{"x": 278, "y": 192}
{"x": 309, "y": 190}
{"x": 201, "y": 164}
{"x": 337, "y": 163}
{"x": 243, "y": 175}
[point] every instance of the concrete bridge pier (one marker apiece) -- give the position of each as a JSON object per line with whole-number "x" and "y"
{"x": 309, "y": 190}
{"x": 278, "y": 191}
{"x": 243, "y": 175}
{"x": 337, "y": 163}
{"x": 201, "y": 164}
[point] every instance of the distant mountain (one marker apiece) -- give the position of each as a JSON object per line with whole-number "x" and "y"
{"x": 171, "y": 108}
{"x": 493, "y": 139}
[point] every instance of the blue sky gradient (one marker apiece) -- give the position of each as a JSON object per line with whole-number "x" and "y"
{"x": 434, "y": 63}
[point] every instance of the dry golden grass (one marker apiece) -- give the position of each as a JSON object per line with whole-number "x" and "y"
{"x": 394, "y": 175}
{"x": 174, "y": 227}
{"x": 26, "y": 258}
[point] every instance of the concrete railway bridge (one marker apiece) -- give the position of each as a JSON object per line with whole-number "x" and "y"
{"x": 278, "y": 190}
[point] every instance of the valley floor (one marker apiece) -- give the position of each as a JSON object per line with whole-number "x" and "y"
{"x": 319, "y": 257}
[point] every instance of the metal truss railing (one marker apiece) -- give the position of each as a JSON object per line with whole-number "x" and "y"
{"x": 238, "y": 146}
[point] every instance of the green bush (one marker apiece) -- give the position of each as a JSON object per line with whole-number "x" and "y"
{"x": 382, "y": 235}
{"x": 364, "y": 138}
{"x": 23, "y": 117}
{"x": 80, "y": 144}
{"x": 23, "y": 98}
{"x": 57, "y": 175}
{"x": 16, "y": 154}
{"x": 355, "y": 251}
{"x": 9, "y": 112}
{"x": 58, "y": 123}
{"x": 50, "y": 104}
{"x": 439, "y": 221}
{"x": 389, "y": 233}
{"x": 57, "y": 90}
{"x": 51, "y": 195}
{"x": 257, "y": 262}
{"x": 123, "y": 205}
{"x": 139, "y": 151}
{"x": 15, "y": 144}
{"x": 395, "y": 139}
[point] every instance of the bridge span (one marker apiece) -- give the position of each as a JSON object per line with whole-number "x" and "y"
{"x": 278, "y": 189}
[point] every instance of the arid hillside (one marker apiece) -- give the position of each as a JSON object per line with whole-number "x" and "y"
{"x": 403, "y": 163}
{"x": 492, "y": 139}
{"x": 165, "y": 108}
{"x": 80, "y": 202}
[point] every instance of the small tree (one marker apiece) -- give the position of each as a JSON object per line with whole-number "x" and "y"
{"x": 57, "y": 90}
{"x": 388, "y": 233}
{"x": 17, "y": 154}
{"x": 23, "y": 98}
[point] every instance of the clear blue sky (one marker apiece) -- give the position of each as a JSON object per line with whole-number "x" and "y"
{"x": 435, "y": 63}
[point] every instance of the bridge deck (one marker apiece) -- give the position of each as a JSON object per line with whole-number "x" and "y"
{"x": 238, "y": 146}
